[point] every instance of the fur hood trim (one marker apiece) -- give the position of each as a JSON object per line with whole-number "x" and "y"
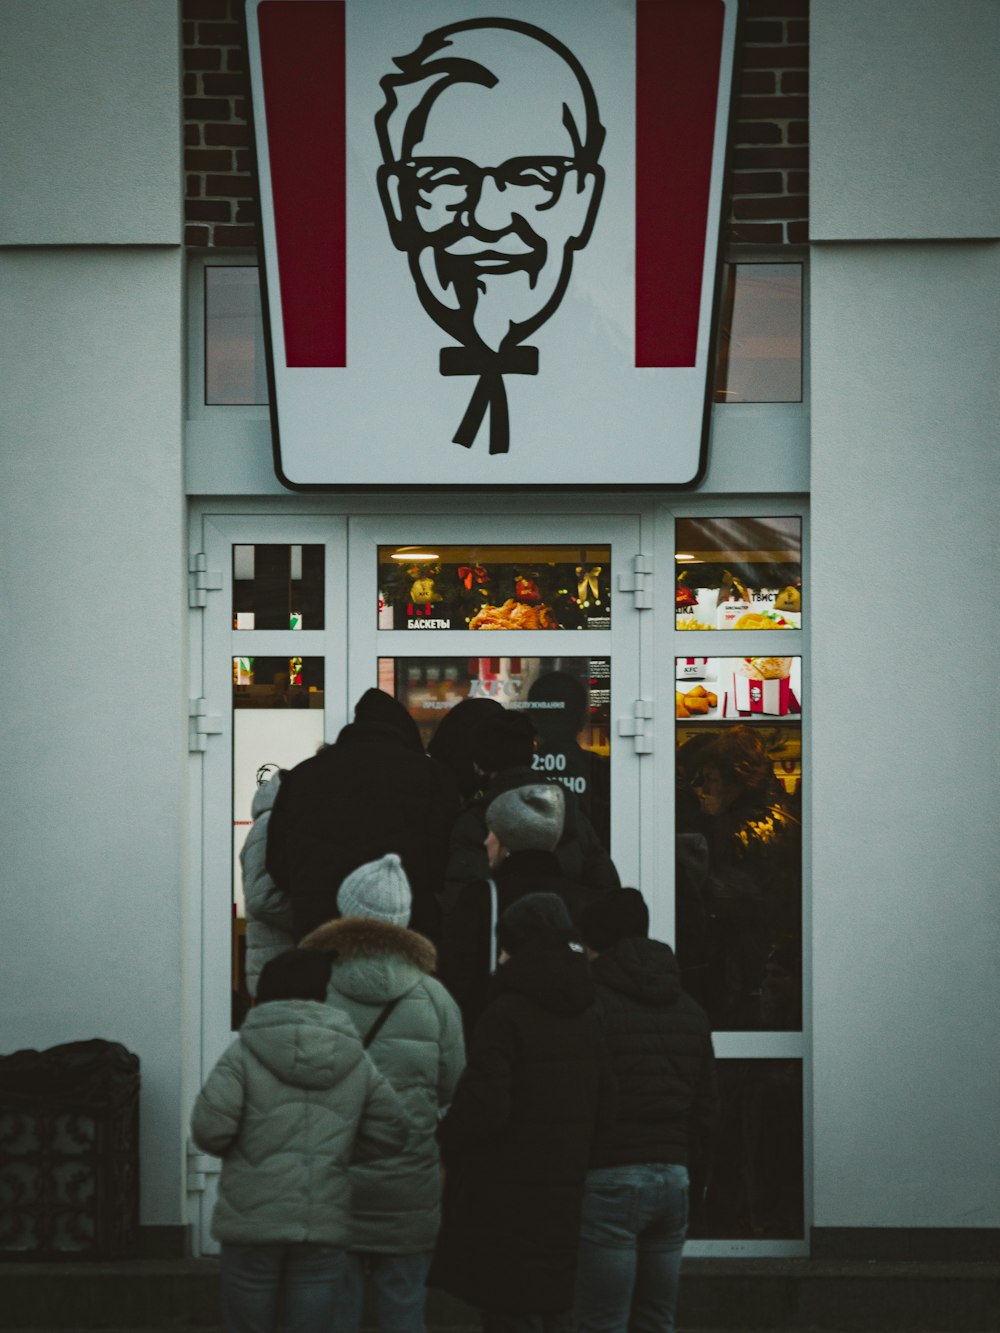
{"x": 361, "y": 937}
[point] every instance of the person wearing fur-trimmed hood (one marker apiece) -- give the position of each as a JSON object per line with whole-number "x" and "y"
{"x": 383, "y": 973}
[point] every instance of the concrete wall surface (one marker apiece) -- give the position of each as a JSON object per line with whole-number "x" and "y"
{"x": 90, "y": 107}
{"x": 94, "y": 622}
{"x": 906, "y": 909}
{"x": 903, "y": 113}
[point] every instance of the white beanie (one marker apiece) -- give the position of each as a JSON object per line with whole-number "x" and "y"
{"x": 528, "y": 818}
{"x": 379, "y": 890}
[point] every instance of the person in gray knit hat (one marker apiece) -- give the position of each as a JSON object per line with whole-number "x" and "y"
{"x": 527, "y": 818}
{"x": 379, "y": 890}
{"x": 524, "y": 827}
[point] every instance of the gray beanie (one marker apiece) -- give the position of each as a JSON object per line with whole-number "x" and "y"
{"x": 528, "y": 818}
{"x": 379, "y": 890}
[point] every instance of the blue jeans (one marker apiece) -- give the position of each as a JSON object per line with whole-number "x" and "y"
{"x": 302, "y": 1282}
{"x": 399, "y": 1285}
{"x": 631, "y": 1238}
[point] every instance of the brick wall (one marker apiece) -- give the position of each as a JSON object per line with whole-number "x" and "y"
{"x": 769, "y": 183}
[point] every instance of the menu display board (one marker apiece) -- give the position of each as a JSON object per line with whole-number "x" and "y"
{"x": 738, "y": 573}
{"x": 478, "y": 587}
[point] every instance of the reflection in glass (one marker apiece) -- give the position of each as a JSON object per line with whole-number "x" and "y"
{"x": 277, "y": 722}
{"x": 235, "y": 362}
{"x": 755, "y": 1190}
{"x": 278, "y": 587}
{"x": 747, "y": 689}
{"x": 739, "y": 873}
{"x": 738, "y": 573}
{"x": 568, "y": 699}
{"x": 760, "y": 335}
{"x": 494, "y": 587}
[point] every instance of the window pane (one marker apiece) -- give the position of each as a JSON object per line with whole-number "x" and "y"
{"x": 756, "y": 1186}
{"x": 760, "y": 335}
{"x": 494, "y": 587}
{"x": 739, "y": 871}
{"x": 277, "y": 722}
{"x": 568, "y": 699}
{"x": 278, "y": 587}
{"x": 747, "y": 689}
{"x": 235, "y": 363}
{"x": 738, "y": 573}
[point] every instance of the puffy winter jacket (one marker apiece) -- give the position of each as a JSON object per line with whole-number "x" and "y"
{"x": 286, "y": 1107}
{"x": 396, "y": 1200}
{"x": 269, "y": 912}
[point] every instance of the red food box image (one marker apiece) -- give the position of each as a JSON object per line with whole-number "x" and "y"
{"x": 762, "y": 685}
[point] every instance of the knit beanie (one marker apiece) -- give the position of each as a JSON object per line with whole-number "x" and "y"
{"x": 504, "y": 740}
{"x": 528, "y": 818}
{"x": 615, "y": 915}
{"x": 534, "y": 915}
{"x": 379, "y": 890}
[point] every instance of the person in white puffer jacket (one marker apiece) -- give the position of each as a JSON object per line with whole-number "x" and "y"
{"x": 269, "y": 915}
{"x": 291, "y": 1104}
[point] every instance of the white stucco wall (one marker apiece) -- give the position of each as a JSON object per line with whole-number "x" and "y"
{"x": 93, "y": 723}
{"x": 906, "y": 908}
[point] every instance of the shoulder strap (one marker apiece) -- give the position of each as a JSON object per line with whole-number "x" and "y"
{"x": 376, "y": 1027}
{"x": 493, "y": 925}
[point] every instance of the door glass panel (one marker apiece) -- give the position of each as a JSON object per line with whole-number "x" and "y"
{"x": 277, "y": 722}
{"x": 756, "y": 1184}
{"x": 494, "y": 587}
{"x": 760, "y": 335}
{"x": 738, "y": 573}
{"x": 568, "y": 699}
{"x": 739, "y": 870}
{"x": 278, "y": 587}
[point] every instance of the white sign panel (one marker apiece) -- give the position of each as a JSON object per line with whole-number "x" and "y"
{"x": 489, "y": 237}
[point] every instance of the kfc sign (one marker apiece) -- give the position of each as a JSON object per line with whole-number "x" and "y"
{"x": 489, "y": 237}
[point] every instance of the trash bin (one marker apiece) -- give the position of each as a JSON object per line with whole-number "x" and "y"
{"x": 69, "y": 1152}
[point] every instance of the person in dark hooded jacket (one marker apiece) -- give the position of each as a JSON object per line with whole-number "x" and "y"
{"x": 374, "y": 791}
{"x": 635, "y": 1209}
{"x": 520, "y": 1132}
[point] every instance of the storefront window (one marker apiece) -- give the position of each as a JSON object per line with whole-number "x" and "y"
{"x": 760, "y": 335}
{"x": 494, "y": 587}
{"x": 278, "y": 587}
{"x": 567, "y": 699}
{"x": 235, "y": 362}
{"x": 738, "y": 573}
{"x": 277, "y": 722}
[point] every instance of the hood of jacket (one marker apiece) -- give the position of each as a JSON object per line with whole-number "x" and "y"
{"x": 375, "y": 960}
{"x": 302, "y": 1042}
{"x": 551, "y": 970}
{"x": 265, "y": 796}
{"x": 380, "y": 717}
{"x": 646, "y": 970}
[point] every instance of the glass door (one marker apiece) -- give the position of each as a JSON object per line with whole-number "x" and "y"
{"x": 526, "y": 612}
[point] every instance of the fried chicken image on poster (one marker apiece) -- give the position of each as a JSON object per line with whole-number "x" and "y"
{"x": 490, "y": 181}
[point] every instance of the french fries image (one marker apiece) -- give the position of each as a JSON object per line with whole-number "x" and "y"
{"x": 695, "y": 702}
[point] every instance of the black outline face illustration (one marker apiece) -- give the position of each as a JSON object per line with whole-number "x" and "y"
{"x": 489, "y": 223}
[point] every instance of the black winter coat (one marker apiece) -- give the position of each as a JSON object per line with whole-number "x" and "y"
{"x": 464, "y": 965}
{"x": 518, "y": 1138}
{"x": 660, "y": 1046}
{"x": 374, "y": 791}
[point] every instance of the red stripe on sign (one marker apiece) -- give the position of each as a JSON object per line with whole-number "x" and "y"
{"x": 678, "y": 43}
{"x": 302, "y": 50}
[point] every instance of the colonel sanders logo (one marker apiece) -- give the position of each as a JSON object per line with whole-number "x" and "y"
{"x": 488, "y": 213}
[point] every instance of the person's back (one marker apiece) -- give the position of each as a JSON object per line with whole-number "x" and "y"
{"x": 518, "y": 1137}
{"x": 660, "y": 1048}
{"x": 374, "y": 791}
{"x": 382, "y": 980}
{"x": 287, "y": 1106}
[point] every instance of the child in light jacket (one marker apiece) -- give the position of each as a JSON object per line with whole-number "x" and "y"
{"x": 292, "y": 1102}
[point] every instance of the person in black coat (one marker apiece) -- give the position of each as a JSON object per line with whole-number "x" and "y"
{"x": 374, "y": 791}
{"x": 644, "y": 1166}
{"x": 519, "y": 1134}
{"x": 524, "y": 826}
